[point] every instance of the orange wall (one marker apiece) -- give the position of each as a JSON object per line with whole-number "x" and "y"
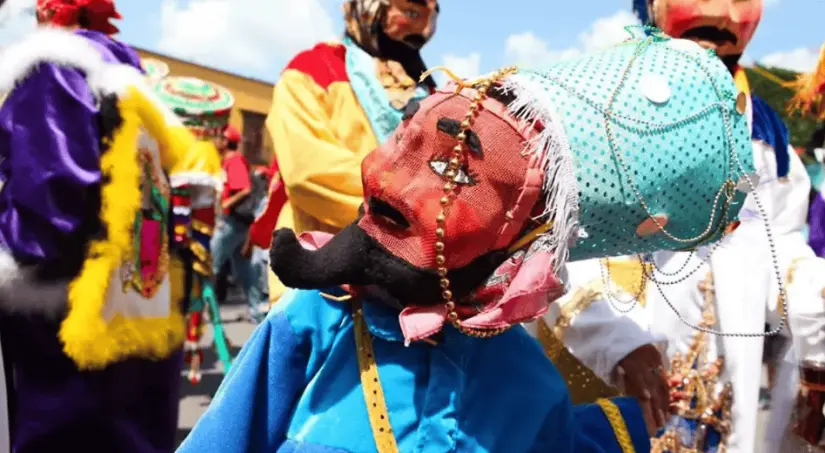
{"x": 250, "y": 94}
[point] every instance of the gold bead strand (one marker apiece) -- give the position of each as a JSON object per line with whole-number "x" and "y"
{"x": 446, "y": 201}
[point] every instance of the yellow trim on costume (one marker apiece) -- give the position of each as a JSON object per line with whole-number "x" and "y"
{"x": 371, "y": 384}
{"x": 531, "y": 236}
{"x": 740, "y": 78}
{"x": 630, "y": 274}
{"x": 584, "y": 385}
{"x": 89, "y": 339}
{"x": 614, "y": 417}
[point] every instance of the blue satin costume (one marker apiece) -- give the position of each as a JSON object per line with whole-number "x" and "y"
{"x": 296, "y": 387}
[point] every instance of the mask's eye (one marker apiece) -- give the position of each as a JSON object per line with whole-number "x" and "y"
{"x": 412, "y": 14}
{"x": 462, "y": 177}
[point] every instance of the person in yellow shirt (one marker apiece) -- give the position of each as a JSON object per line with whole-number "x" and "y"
{"x": 337, "y": 101}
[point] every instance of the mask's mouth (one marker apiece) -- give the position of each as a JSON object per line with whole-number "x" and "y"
{"x": 387, "y": 213}
{"x": 710, "y": 36}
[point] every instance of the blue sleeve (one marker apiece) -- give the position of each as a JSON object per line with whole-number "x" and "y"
{"x": 594, "y": 433}
{"x": 50, "y": 146}
{"x": 251, "y": 410}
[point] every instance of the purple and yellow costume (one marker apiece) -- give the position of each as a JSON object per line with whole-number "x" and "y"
{"x": 89, "y": 295}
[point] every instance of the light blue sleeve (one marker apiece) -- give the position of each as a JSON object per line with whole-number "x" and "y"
{"x": 252, "y": 408}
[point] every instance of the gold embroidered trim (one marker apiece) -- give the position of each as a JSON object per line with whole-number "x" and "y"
{"x": 580, "y": 301}
{"x": 371, "y": 385}
{"x": 583, "y": 384}
{"x": 614, "y": 417}
{"x": 630, "y": 275}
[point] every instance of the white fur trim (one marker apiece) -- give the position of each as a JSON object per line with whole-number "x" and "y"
{"x": 9, "y": 271}
{"x": 20, "y": 292}
{"x": 64, "y": 48}
{"x": 532, "y": 104}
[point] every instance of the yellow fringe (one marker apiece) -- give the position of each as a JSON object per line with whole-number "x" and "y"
{"x": 809, "y": 98}
{"x": 88, "y": 339}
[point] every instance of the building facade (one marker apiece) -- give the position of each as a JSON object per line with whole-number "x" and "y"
{"x": 252, "y": 100}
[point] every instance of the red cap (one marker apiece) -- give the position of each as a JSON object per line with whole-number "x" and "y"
{"x": 66, "y": 13}
{"x": 232, "y": 134}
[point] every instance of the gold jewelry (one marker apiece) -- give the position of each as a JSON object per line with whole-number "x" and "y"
{"x": 481, "y": 86}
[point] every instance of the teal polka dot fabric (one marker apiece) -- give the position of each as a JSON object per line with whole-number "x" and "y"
{"x": 657, "y": 129}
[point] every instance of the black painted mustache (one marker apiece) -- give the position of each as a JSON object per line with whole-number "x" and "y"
{"x": 352, "y": 257}
{"x": 709, "y": 33}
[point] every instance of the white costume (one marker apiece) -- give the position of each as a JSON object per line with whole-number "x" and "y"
{"x": 600, "y": 331}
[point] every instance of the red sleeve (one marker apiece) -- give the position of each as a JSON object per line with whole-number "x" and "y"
{"x": 237, "y": 174}
{"x": 260, "y": 233}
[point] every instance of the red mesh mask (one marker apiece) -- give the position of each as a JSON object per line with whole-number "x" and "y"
{"x": 403, "y": 183}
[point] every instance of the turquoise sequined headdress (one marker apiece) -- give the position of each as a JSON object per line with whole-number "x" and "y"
{"x": 646, "y": 147}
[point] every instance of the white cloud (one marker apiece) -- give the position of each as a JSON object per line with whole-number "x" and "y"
{"x": 242, "y": 34}
{"x": 16, "y": 20}
{"x": 800, "y": 60}
{"x": 528, "y": 49}
{"x": 466, "y": 67}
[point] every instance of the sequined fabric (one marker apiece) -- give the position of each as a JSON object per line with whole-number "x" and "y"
{"x": 632, "y": 115}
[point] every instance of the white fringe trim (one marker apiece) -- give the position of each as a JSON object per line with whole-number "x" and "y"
{"x": 533, "y": 103}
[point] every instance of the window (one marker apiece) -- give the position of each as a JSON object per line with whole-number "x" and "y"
{"x": 253, "y": 141}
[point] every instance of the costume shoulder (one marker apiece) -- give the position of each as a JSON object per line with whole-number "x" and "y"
{"x": 314, "y": 316}
{"x": 769, "y": 128}
{"x": 66, "y": 51}
{"x": 325, "y": 64}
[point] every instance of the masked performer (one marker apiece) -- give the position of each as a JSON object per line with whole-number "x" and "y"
{"x": 336, "y": 102}
{"x": 90, "y": 294}
{"x": 470, "y": 209}
{"x": 712, "y": 286}
{"x": 203, "y": 108}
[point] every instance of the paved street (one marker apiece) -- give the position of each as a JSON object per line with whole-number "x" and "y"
{"x": 195, "y": 398}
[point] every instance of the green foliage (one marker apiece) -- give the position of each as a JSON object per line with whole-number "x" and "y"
{"x": 777, "y": 97}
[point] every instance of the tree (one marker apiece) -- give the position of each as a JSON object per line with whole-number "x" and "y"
{"x": 777, "y": 96}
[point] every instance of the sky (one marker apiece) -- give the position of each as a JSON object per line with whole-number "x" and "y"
{"x": 256, "y": 38}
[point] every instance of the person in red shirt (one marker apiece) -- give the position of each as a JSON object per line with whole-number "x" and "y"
{"x": 238, "y": 207}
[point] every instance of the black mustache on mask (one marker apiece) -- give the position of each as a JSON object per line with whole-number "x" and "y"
{"x": 709, "y": 33}
{"x": 416, "y": 41}
{"x": 352, "y": 257}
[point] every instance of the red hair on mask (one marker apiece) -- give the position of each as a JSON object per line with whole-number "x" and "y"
{"x": 94, "y": 14}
